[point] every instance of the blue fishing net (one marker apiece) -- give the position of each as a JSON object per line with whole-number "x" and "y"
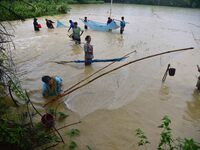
{"x": 101, "y": 26}
{"x": 60, "y": 24}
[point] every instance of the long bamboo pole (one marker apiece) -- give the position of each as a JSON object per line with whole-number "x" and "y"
{"x": 95, "y": 73}
{"x": 126, "y": 64}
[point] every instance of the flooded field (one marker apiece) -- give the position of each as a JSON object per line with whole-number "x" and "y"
{"x": 113, "y": 106}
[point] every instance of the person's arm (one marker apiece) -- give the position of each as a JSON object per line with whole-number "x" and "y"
{"x": 69, "y": 28}
{"x": 81, "y": 32}
{"x": 44, "y": 91}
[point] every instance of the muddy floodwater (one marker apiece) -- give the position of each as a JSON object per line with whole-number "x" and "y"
{"x": 113, "y": 106}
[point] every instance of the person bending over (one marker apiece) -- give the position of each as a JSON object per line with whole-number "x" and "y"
{"x": 52, "y": 86}
{"x": 49, "y": 24}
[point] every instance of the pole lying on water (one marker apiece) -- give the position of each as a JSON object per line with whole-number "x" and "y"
{"x": 126, "y": 64}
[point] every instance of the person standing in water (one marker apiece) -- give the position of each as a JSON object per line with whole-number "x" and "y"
{"x": 36, "y": 25}
{"x": 198, "y": 81}
{"x": 52, "y": 86}
{"x": 122, "y": 25}
{"x": 109, "y": 20}
{"x": 85, "y": 26}
{"x": 71, "y": 25}
{"x": 88, "y": 48}
{"x": 77, "y": 32}
{"x": 49, "y": 24}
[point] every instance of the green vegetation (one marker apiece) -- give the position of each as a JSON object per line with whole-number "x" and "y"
{"x": 22, "y": 9}
{"x": 13, "y": 9}
{"x": 23, "y": 127}
{"x": 167, "y": 142}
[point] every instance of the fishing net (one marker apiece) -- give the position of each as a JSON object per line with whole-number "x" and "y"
{"x": 101, "y": 26}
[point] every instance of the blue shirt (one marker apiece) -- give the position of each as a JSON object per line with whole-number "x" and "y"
{"x": 72, "y": 25}
{"x": 122, "y": 24}
{"x": 54, "y": 92}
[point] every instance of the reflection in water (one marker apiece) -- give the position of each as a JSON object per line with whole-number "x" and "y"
{"x": 193, "y": 106}
{"x": 88, "y": 70}
{"x": 164, "y": 92}
{"x": 77, "y": 49}
{"x": 120, "y": 41}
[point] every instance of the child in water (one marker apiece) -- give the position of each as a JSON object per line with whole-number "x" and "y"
{"x": 88, "y": 48}
{"x": 122, "y": 25}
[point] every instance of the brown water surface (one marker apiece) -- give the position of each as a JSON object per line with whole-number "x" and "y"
{"x": 112, "y": 107}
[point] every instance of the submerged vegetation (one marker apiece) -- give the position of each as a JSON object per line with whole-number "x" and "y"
{"x": 167, "y": 142}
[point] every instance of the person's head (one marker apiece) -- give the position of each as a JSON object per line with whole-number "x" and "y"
{"x": 85, "y": 18}
{"x": 122, "y": 18}
{"x": 35, "y": 19}
{"x": 70, "y": 21}
{"x": 75, "y": 24}
{"x": 46, "y": 19}
{"x": 47, "y": 79}
{"x": 88, "y": 38}
{"x": 109, "y": 18}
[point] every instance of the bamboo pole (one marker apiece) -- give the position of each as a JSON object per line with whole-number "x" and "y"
{"x": 165, "y": 75}
{"x": 95, "y": 73}
{"x": 126, "y": 64}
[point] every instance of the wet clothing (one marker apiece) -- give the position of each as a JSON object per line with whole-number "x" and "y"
{"x": 49, "y": 24}
{"x": 122, "y": 26}
{"x": 76, "y": 35}
{"x": 109, "y": 21}
{"x": 36, "y": 25}
{"x": 46, "y": 91}
{"x": 88, "y": 53}
{"x": 71, "y": 26}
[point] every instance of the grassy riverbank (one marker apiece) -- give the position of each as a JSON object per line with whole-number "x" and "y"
{"x": 12, "y": 10}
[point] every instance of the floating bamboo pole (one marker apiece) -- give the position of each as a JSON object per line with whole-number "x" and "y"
{"x": 126, "y": 64}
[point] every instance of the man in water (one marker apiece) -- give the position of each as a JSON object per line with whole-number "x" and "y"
{"x": 85, "y": 20}
{"x": 122, "y": 25}
{"x": 198, "y": 81}
{"x": 71, "y": 25}
{"x": 77, "y": 32}
{"x": 109, "y": 20}
{"x": 88, "y": 48}
{"x": 49, "y": 24}
{"x": 52, "y": 86}
{"x": 36, "y": 25}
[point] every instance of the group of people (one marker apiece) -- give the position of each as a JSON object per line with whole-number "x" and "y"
{"x": 37, "y": 26}
{"x": 53, "y": 86}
